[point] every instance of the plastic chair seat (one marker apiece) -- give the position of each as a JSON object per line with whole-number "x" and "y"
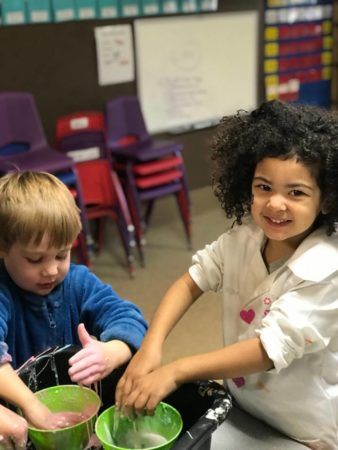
{"x": 154, "y": 166}
{"x": 158, "y": 179}
{"x": 160, "y": 191}
{"x": 96, "y": 183}
{"x": 145, "y": 151}
{"x": 68, "y": 178}
{"x": 13, "y": 148}
{"x": 79, "y": 122}
{"x": 78, "y": 141}
{"x": 44, "y": 159}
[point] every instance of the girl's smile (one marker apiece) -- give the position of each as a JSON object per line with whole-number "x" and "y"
{"x": 278, "y": 223}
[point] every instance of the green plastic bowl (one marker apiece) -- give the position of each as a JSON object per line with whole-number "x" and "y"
{"x": 66, "y": 398}
{"x": 166, "y": 422}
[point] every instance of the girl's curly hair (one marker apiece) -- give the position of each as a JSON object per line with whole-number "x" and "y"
{"x": 278, "y": 130}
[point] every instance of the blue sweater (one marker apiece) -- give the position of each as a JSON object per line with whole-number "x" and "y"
{"x": 30, "y": 323}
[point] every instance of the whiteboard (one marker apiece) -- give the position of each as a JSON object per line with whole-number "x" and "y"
{"x": 192, "y": 70}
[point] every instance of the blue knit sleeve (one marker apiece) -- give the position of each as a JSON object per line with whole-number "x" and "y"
{"x": 105, "y": 314}
{"x": 5, "y": 357}
{"x": 4, "y": 317}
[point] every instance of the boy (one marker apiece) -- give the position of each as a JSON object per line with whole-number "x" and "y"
{"x": 46, "y": 301}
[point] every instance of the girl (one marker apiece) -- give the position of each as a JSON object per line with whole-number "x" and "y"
{"x": 277, "y": 271}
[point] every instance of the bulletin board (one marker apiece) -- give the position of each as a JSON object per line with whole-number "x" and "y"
{"x": 192, "y": 70}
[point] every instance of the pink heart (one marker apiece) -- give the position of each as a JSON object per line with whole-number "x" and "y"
{"x": 248, "y": 316}
{"x": 239, "y": 382}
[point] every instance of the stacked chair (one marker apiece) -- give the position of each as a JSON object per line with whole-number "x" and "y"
{"x": 23, "y": 144}
{"x": 81, "y": 135}
{"x": 148, "y": 169}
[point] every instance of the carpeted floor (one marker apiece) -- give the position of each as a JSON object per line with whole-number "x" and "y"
{"x": 167, "y": 257}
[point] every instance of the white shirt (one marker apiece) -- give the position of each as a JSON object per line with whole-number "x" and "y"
{"x": 294, "y": 311}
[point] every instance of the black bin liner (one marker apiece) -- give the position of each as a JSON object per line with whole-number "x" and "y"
{"x": 202, "y": 405}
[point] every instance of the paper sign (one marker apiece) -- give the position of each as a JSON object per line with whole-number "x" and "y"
{"x": 115, "y": 58}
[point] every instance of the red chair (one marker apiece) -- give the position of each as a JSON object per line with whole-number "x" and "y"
{"x": 104, "y": 198}
{"x": 81, "y": 135}
{"x": 148, "y": 169}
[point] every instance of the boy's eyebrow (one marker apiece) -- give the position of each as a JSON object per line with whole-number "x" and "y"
{"x": 291, "y": 185}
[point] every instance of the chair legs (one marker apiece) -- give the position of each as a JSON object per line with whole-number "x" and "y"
{"x": 141, "y": 203}
{"x": 136, "y": 218}
{"x": 85, "y": 226}
{"x": 148, "y": 212}
{"x": 81, "y": 250}
{"x": 125, "y": 223}
{"x": 128, "y": 244}
{"x": 100, "y": 232}
{"x": 127, "y": 236}
{"x": 141, "y": 221}
{"x": 184, "y": 207}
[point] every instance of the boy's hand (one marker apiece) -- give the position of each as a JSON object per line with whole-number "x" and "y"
{"x": 97, "y": 359}
{"x": 39, "y": 416}
{"x": 145, "y": 361}
{"x": 13, "y": 430}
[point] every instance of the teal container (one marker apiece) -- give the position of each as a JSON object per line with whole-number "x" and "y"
{"x": 170, "y": 6}
{"x": 130, "y": 8}
{"x": 66, "y": 398}
{"x": 85, "y": 9}
{"x": 13, "y": 12}
{"x": 150, "y": 7}
{"x": 166, "y": 424}
{"x": 63, "y": 10}
{"x": 108, "y": 9}
{"x": 189, "y": 6}
{"x": 39, "y": 11}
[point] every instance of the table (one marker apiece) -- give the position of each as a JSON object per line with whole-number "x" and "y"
{"x": 240, "y": 431}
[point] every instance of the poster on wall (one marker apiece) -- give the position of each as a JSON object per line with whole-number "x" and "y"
{"x": 115, "y": 57}
{"x": 194, "y": 69}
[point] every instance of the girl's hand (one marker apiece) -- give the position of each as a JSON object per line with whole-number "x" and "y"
{"x": 149, "y": 390}
{"x": 13, "y": 430}
{"x": 97, "y": 359}
{"x": 145, "y": 361}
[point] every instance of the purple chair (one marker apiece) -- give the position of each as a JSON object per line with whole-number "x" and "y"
{"x": 20, "y": 124}
{"x": 149, "y": 169}
{"x": 23, "y": 144}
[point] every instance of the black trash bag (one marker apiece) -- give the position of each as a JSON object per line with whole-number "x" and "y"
{"x": 202, "y": 405}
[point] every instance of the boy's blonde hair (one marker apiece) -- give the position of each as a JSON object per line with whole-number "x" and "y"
{"x": 35, "y": 204}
